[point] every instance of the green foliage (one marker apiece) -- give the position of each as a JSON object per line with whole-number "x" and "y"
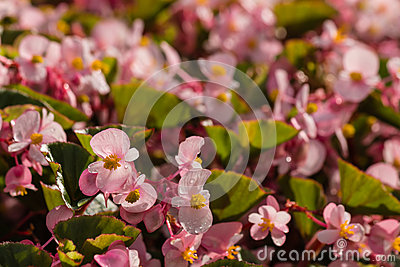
{"x": 20, "y": 255}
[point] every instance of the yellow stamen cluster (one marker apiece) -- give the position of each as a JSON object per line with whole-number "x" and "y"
{"x": 189, "y": 255}
{"x": 348, "y": 130}
{"x": 266, "y": 224}
{"x": 223, "y": 97}
{"x": 133, "y": 196}
{"x": 77, "y": 63}
{"x": 396, "y": 162}
{"x": 97, "y": 65}
{"x": 36, "y": 138}
{"x": 198, "y": 160}
{"x": 20, "y": 190}
{"x": 63, "y": 27}
{"x": 111, "y": 162}
{"x": 232, "y": 251}
{"x": 311, "y": 108}
{"x": 145, "y": 41}
{"x": 356, "y": 76}
{"x": 218, "y": 70}
{"x": 274, "y": 95}
{"x": 396, "y": 244}
{"x": 202, "y": 2}
{"x": 345, "y": 230}
{"x": 37, "y": 59}
{"x": 198, "y": 201}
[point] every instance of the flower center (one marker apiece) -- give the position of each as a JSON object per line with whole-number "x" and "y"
{"x": 311, "y": 108}
{"x": 345, "y": 230}
{"x": 348, "y": 130}
{"x": 36, "y": 138}
{"x": 198, "y": 160}
{"x": 97, "y": 65}
{"x": 197, "y": 201}
{"x": 189, "y": 255}
{"x": 144, "y": 41}
{"x": 356, "y": 76}
{"x": 396, "y": 244}
{"x": 37, "y": 59}
{"x": 266, "y": 225}
{"x": 133, "y": 196}
{"x": 63, "y": 27}
{"x": 232, "y": 251}
{"x": 20, "y": 190}
{"x": 218, "y": 70}
{"x": 202, "y": 2}
{"x": 396, "y": 162}
{"x": 111, "y": 162}
{"x": 223, "y": 97}
{"x": 77, "y": 63}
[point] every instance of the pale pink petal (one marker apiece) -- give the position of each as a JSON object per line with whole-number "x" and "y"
{"x": 328, "y": 236}
{"x": 195, "y": 221}
{"x": 87, "y": 183}
{"x": 362, "y": 60}
{"x": 36, "y": 155}
{"x": 53, "y": 132}
{"x": 193, "y": 181}
{"x": 352, "y": 91}
{"x": 18, "y": 175}
{"x": 132, "y": 155}
{"x": 391, "y": 150}
{"x": 111, "y": 181}
{"x": 115, "y": 257}
{"x": 267, "y": 212}
{"x": 33, "y": 45}
{"x": 271, "y": 201}
{"x": 132, "y": 218}
{"x": 174, "y": 259}
{"x": 25, "y": 125}
{"x": 278, "y": 237}
{"x": 154, "y": 218}
{"x": 134, "y": 260}
{"x": 218, "y": 237}
{"x": 315, "y": 158}
{"x": 15, "y": 147}
{"x": 32, "y": 72}
{"x": 257, "y": 233}
{"x": 359, "y": 232}
{"x": 282, "y": 217}
{"x": 384, "y": 172}
{"x": 56, "y": 215}
{"x": 109, "y": 142}
{"x": 302, "y": 97}
{"x": 337, "y": 216}
{"x": 189, "y": 149}
{"x": 53, "y": 54}
{"x": 148, "y": 197}
{"x": 255, "y": 218}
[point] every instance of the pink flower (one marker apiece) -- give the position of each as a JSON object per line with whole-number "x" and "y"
{"x": 384, "y": 237}
{"x": 30, "y": 131}
{"x": 18, "y": 179}
{"x": 220, "y": 240}
{"x": 386, "y": 173}
{"x": 181, "y": 249}
{"x": 116, "y": 166}
{"x": 188, "y": 151}
{"x": 118, "y": 255}
{"x": 360, "y": 74}
{"x": 194, "y": 213}
{"x": 140, "y": 197}
{"x": 339, "y": 226}
{"x": 270, "y": 219}
{"x": 56, "y": 215}
{"x": 144, "y": 256}
{"x": 391, "y": 152}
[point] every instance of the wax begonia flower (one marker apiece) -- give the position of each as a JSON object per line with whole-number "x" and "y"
{"x": 116, "y": 165}
{"x": 18, "y": 179}
{"x": 339, "y": 226}
{"x": 30, "y": 130}
{"x": 384, "y": 237}
{"x": 386, "y": 173}
{"x": 220, "y": 240}
{"x": 181, "y": 249}
{"x": 56, "y": 215}
{"x": 193, "y": 201}
{"x": 315, "y": 155}
{"x": 391, "y": 152}
{"x": 140, "y": 197}
{"x": 188, "y": 152}
{"x": 359, "y": 75}
{"x": 270, "y": 219}
{"x": 118, "y": 255}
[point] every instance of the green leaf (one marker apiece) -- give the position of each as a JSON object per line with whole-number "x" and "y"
{"x": 299, "y": 17}
{"x": 136, "y": 134}
{"x": 226, "y": 143}
{"x": 52, "y": 196}
{"x": 307, "y": 193}
{"x": 365, "y": 194}
{"x": 8, "y": 36}
{"x": 68, "y": 161}
{"x": 60, "y": 106}
{"x": 373, "y": 105}
{"x": 298, "y": 52}
{"x": 93, "y": 234}
{"x": 111, "y": 69}
{"x": 149, "y": 107}
{"x": 233, "y": 195}
{"x": 67, "y": 254}
{"x": 265, "y": 134}
{"x": 231, "y": 263}
{"x": 17, "y": 254}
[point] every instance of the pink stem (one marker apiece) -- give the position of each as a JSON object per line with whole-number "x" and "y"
{"x": 169, "y": 228}
{"x": 48, "y": 242}
{"x": 320, "y": 223}
{"x": 172, "y": 176}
